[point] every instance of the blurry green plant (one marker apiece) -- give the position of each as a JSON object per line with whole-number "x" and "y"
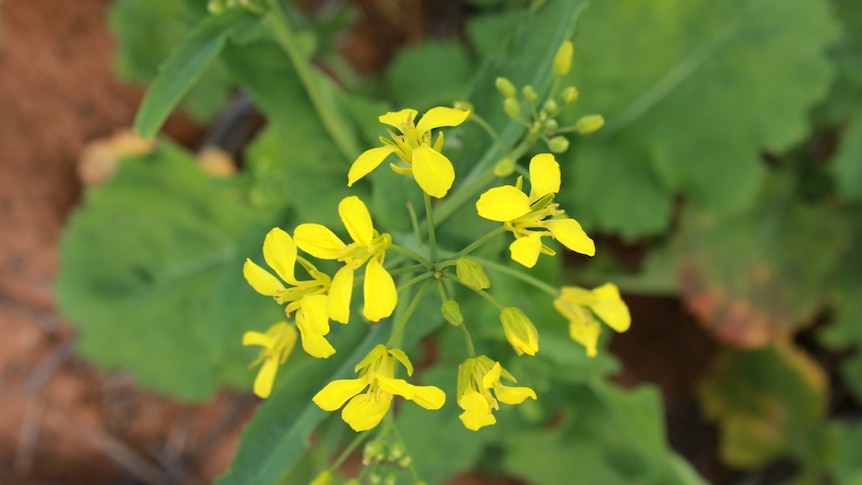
{"x": 717, "y": 151}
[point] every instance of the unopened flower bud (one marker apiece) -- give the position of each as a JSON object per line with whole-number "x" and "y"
{"x": 505, "y": 87}
{"x": 569, "y": 95}
{"x": 452, "y": 312}
{"x": 551, "y": 124}
{"x": 551, "y": 107}
{"x": 588, "y": 124}
{"x": 558, "y": 144}
{"x": 471, "y": 274}
{"x": 519, "y": 331}
{"x": 373, "y": 452}
{"x": 504, "y": 167}
{"x": 390, "y": 479}
{"x": 512, "y": 107}
{"x": 563, "y": 59}
{"x": 529, "y": 93}
{"x": 396, "y": 452}
{"x": 325, "y": 478}
{"x": 215, "y": 7}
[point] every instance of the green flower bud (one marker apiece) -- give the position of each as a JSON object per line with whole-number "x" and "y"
{"x": 558, "y": 144}
{"x": 452, "y": 312}
{"x": 504, "y": 167}
{"x": 519, "y": 331}
{"x": 405, "y": 461}
{"x": 373, "y": 452}
{"x": 396, "y": 452}
{"x": 529, "y": 93}
{"x": 569, "y": 95}
{"x": 471, "y": 274}
{"x": 463, "y": 105}
{"x": 563, "y": 59}
{"x": 551, "y": 107}
{"x": 512, "y": 108}
{"x": 590, "y": 123}
{"x": 390, "y": 479}
{"x": 505, "y": 87}
{"x": 215, "y": 7}
{"x": 551, "y": 124}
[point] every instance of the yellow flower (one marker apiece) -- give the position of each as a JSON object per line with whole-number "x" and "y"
{"x": 431, "y": 169}
{"x": 530, "y": 218}
{"x": 584, "y": 308}
{"x": 308, "y": 298}
{"x": 477, "y": 377}
{"x": 277, "y": 343}
{"x": 368, "y": 246}
{"x": 376, "y": 372}
{"x": 519, "y": 331}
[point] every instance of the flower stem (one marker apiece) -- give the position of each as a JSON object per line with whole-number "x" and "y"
{"x": 479, "y": 242}
{"x": 398, "y": 329}
{"x": 429, "y": 218}
{"x": 484, "y": 294}
{"x": 341, "y": 134}
{"x": 413, "y": 255}
{"x": 502, "y": 268}
{"x": 347, "y": 451}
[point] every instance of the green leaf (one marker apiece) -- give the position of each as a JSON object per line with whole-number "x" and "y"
{"x": 847, "y": 164}
{"x": 151, "y": 276}
{"x": 490, "y": 33}
{"x": 612, "y": 437}
{"x": 768, "y": 403}
{"x": 147, "y": 32}
{"x": 847, "y": 469}
{"x": 185, "y": 67}
{"x": 754, "y": 277}
{"x": 691, "y": 100}
{"x": 416, "y": 76}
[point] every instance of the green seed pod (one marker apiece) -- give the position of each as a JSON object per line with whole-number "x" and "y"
{"x": 505, "y": 87}
{"x": 563, "y": 59}
{"x": 529, "y": 93}
{"x": 512, "y": 107}
{"x": 471, "y": 274}
{"x": 558, "y": 144}
{"x": 590, "y": 123}
{"x": 452, "y": 312}
{"x": 504, "y": 167}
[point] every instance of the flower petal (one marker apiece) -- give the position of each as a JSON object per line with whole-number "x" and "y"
{"x": 570, "y": 233}
{"x": 355, "y": 217}
{"x": 314, "y": 313}
{"x": 318, "y": 241}
{"x": 611, "y": 308}
{"x": 364, "y": 412}
{"x": 519, "y": 331}
{"x": 525, "y": 250}
{"x": 429, "y": 397}
{"x": 544, "y": 176}
{"x": 477, "y": 412}
{"x": 503, "y": 204}
{"x": 261, "y": 280}
{"x": 279, "y": 251}
{"x": 513, "y": 395}
{"x": 379, "y": 292}
{"x": 340, "y": 294}
{"x": 433, "y": 171}
{"x": 257, "y": 338}
{"x": 400, "y": 356}
{"x": 396, "y": 119}
{"x": 441, "y": 116}
{"x": 367, "y": 162}
{"x": 586, "y": 334}
{"x": 265, "y": 378}
{"x": 337, "y": 392}
{"x": 493, "y": 376}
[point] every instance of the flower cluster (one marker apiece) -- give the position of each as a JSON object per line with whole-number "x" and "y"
{"x": 533, "y": 218}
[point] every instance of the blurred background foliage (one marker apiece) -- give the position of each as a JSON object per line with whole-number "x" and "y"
{"x": 731, "y": 159}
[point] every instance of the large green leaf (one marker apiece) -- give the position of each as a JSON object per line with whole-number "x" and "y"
{"x": 151, "y": 276}
{"x": 612, "y": 437}
{"x": 415, "y": 77}
{"x": 847, "y": 164}
{"x": 754, "y": 277}
{"x": 693, "y": 92}
{"x": 769, "y": 403}
{"x": 185, "y": 67}
{"x": 148, "y": 31}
